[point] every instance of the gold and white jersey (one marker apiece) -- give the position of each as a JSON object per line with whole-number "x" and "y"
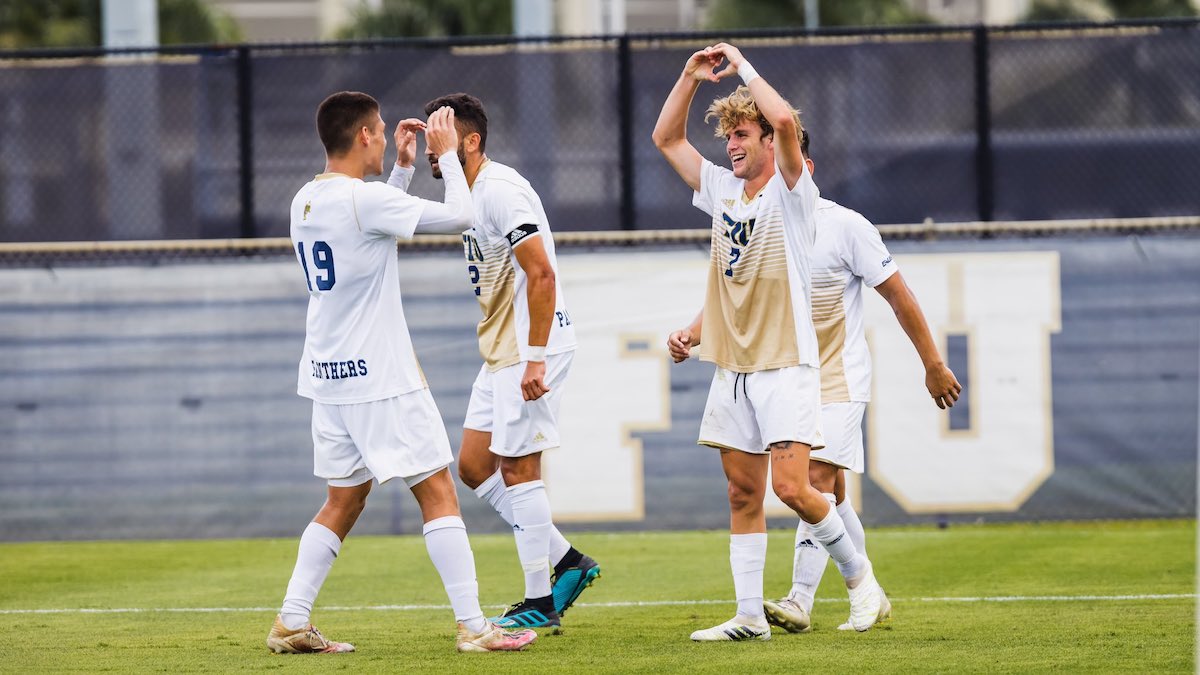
{"x": 357, "y": 347}
{"x": 756, "y": 308}
{"x": 849, "y": 253}
{"x": 506, "y": 207}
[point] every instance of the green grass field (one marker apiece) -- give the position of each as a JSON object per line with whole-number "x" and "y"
{"x": 1010, "y": 598}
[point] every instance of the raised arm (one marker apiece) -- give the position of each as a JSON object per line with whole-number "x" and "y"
{"x": 406, "y": 152}
{"x": 670, "y": 132}
{"x": 939, "y": 379}
{"x": 456, "y": 213}
{"x": 772, "y": 106}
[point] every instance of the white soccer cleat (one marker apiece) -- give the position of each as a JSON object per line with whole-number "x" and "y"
{"x": 866, "y": 601}
{"x": 307, "y": 640}
{"x": 885, "y": 612}
{"x": 738, "y": 628}
{"x": 788, "y": 615}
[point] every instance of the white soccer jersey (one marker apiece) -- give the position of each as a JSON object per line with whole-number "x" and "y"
{"x": 504, "y": 202}
{"x": 756, "y": 310}
{"x": 356, "y": 346}
{"x": 849, "y": 253}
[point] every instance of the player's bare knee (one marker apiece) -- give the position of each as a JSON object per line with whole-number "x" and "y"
{"x": 517, "y": 470}
{"x": 346, "y": 504}
{"x": 471, "y": 476}
{"x": 744, "y": 498}
{"x": 791, "y": 493}
{"x": 822, "y": 476}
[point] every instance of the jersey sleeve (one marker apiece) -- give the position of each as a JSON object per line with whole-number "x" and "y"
{"x": 864, "y": 253}
{"x": 401, "y": 176}
{"x": 710, "y": 185}
{"x": 510, "y": 209}
{"x": 385, "y": 211}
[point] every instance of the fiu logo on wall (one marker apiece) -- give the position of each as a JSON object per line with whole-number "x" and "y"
{"x": 993, "y": 315}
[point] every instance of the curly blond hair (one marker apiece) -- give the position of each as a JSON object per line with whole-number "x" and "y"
{"x": 739, "y": 107}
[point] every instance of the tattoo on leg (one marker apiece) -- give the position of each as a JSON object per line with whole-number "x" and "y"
{"x": 782, "y": 447}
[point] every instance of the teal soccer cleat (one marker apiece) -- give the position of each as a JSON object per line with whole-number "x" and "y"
{"x": 572, "y": 574}
{"x": 529, "y": 613}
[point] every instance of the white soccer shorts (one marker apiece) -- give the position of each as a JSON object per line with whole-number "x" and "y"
{"x": 750, "y": 411}
{"x": 399, "y": 437}
{"x": 842, "y": 426}
{"x": 518, "y": 427}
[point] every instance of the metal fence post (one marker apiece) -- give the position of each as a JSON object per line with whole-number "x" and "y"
{"x": 625, "y": 127}
{"x": 983, "y": 127}
{"x": 245, "y": 105}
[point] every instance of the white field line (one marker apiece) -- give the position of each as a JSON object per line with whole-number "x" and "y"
{"x": 633, "y": 603}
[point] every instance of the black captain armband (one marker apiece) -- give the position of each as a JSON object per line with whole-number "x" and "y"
{"x": 521, "y": 233}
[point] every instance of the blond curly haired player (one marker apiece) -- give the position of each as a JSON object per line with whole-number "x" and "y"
{"x": 764, "y": 405}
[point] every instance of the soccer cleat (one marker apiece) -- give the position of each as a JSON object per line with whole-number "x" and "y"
{"x": 738, "y": 628}
{"x": 866, "y": 601}
{"x": 570, "y": 580}
{"x": 307, "y": 640}
{"x": 529, "y": 613}
{"x": 885, "y": 611}
{"x": 493, "y": 639}
{"x": 788, "y": 615}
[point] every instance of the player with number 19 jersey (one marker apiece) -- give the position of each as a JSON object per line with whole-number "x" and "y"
{"x": 357, "y": 347}
{"x": 506, "y": 209}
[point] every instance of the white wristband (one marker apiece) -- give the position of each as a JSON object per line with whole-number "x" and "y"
{"x": 747, "y": 72}
{"x": 537, "y": 353}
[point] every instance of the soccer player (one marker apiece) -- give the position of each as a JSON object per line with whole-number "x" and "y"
{"x": 849, "y": 253}
{"x": 763, "y": 408}
{"x": 373, "y": 416}
{"x": 527, "y": 343}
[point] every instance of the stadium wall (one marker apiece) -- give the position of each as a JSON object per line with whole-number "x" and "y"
{"x": 158, "y": 400}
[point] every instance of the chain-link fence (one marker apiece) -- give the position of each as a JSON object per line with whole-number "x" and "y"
{"x": 953, "y": 124}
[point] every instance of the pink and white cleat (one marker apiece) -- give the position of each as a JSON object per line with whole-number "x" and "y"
{"x": 307, "y": 640}
{"x": 493, "y": 639}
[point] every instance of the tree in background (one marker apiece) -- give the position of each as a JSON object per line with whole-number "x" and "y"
{"x": 1106, "y": 10}
{"x": 1147, "y": 9}
{"x": 734, "y": 14}
{"x": 430, "y": 18}
{"x": 192, "y": 22}
{"x": 28, "y": 24}
{"x": 31, "y": 24}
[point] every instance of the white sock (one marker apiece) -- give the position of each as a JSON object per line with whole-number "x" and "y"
{"x": 450, "y": 551}
{"x": 531, "y": 527}
{"x": 808, "y": 566}
{"x": 747, "y": 558}
{"x": 854, "y": 526}
{"x": 318, "y": 548}
{"x": 831, "y": 533}
{"x": 494, "y": 492}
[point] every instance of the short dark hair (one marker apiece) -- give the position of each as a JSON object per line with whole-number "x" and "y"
{"x": 804, "y": 143}
{"x": 468, "y": 111}
{"x": 340, "y": 116}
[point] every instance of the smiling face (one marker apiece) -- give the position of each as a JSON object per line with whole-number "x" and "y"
{"x": 468, "y": 141}
{"x": 751, "y": 151}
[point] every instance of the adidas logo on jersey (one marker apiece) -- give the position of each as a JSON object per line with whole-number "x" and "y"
{"x": 307, "y": 210}
{"x": 539, "y": 437}
{"x": 728, "y": 203}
